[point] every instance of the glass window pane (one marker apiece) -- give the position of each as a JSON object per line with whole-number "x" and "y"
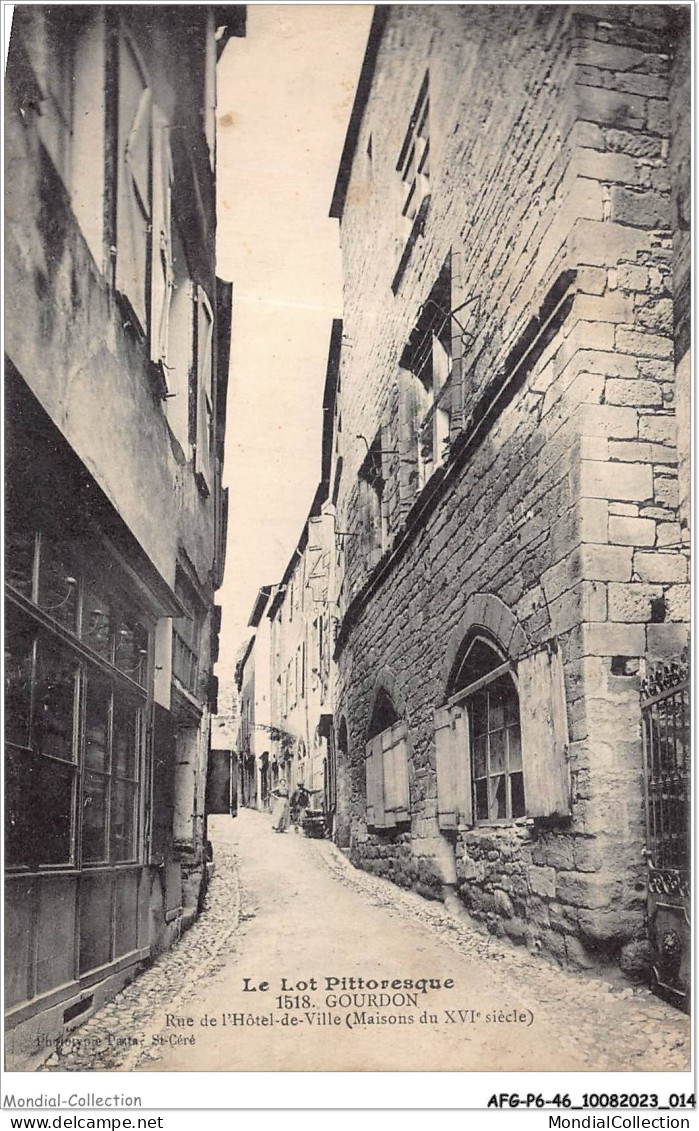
{"x": 55, "y": 696}
{"x": 517, "y": 787}
{"x": 19, "y": 640}
{"x": 38, "y": 810}
{"x": 511, "y": 707}
{"x": 97, "y": 702}
{"x": 480, "y": 659}
{"x": 479, "y": 713}
{"x": 53, "y": 812}
{"x": 131, "y": 650}
{"x": 19, "y": 560}
{"x": 498, "y": 797}
{"x": 97, "y": 624}
{"x": 94, "y": 804}
{"x": 124, "y": 751}
{"x": 496, "y": 713}
{"x": 58, "y": 582}
{"x": 482, "y": 800}
{"x": 515, "y": 748}
{"x": 123, "y": 820}
{"x": 497, "y": 751}
{"x": 479, "y": 766}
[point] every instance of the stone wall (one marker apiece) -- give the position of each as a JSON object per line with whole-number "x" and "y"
{"x": 549, "y": 154}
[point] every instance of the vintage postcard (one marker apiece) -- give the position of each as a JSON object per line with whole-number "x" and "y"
{"x": 347, "y": 530}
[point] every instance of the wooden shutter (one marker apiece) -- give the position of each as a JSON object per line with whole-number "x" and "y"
{"x": 543, "y": 718}
{"x": 374, "y": 783}
{"x": 134, "y": 189}
{"x": 447, "y": 810}
{"x": 461, "y": 747}
{"x": 394, "y": 743}
{"x": 137, "y": 151}
{"x": 454, "y": 797}
{"x": 389, "y": 776}
{"x": 162, "y": 280}
{"x": 205, "y": 328}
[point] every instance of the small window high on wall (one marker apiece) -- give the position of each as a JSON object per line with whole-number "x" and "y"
{"x": 502, "y": 740}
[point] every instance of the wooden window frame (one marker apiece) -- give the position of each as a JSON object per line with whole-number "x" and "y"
{"x": 132, "y": 690}
{"x": 464, "y": 698}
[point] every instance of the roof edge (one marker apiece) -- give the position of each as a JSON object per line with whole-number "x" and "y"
{"x": 366, "y": 76}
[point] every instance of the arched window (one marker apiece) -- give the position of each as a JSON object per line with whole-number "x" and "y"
{"x": 485, "y": 684}
{"x": 383, "y": 714}
{"x": 501, "y": 738}
{"x": 386, "y": 766}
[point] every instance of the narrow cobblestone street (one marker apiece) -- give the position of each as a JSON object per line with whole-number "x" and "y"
{"x": 288, "y": 907}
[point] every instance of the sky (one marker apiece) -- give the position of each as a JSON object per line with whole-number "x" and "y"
{"x": 285, "y": 93}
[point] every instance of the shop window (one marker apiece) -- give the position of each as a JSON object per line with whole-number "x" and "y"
{"x": 73, "y": 705}
{"x": 58, "y": 587}
{"x": 501, "y": 742}
{"x": 386, "y": 768}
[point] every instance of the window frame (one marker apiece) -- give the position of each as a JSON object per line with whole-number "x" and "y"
{"x": 129, "y": 194}
{"x": 132, "y": 693}
{"x": 463, "y": 698}
{"x": 387, "y": 757}
{"x": 414, "y": 156}
{"x": 429, "y": 357}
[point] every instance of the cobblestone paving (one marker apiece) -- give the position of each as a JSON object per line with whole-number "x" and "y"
{"x": 619, "y": 1023}
{"x": 600, "y": 1024}
{"x": 168, "y": 984}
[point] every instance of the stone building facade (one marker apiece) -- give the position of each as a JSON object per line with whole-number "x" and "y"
{"x": 117, "y": 341}
{"x": 302, "y": 632}
{"x": 505, "y": 462}
{"x": 254, "y": 740}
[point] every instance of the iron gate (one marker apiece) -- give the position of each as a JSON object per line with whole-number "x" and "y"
{"x": 667, "y": 752}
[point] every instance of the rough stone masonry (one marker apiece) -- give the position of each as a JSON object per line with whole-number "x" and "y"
{"x": 554, "y": 515}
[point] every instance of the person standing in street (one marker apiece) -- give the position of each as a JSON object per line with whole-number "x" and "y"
{"x": 300, "y": 801}
{"x": 280, "y": 811}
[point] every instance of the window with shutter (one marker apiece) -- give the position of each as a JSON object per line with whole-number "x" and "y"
{"x": 134, "y": 197}
{"x": 502, "y": 749}
{"x": 162, "y": 275}
{"x": 374, "y": 783}
{"x": 544, "y": 733}
{"x": 179, "y": 366}
{"x": 395, "y": 774}
{"x": 204, "y": 391}
{"x": 454, "y": 802}
{"x": 387, "y": 777}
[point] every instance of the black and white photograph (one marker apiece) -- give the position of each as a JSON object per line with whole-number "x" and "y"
{"x": 347, "y": 526}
